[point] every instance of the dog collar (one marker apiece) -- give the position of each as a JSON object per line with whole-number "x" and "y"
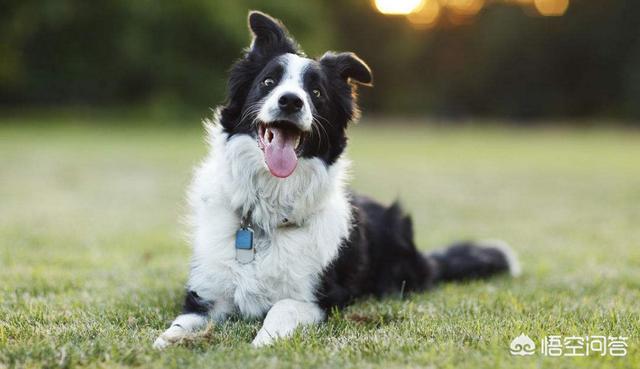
{"x": 245, "y": 250}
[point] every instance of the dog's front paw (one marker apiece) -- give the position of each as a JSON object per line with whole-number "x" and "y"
{"x": 263, "y": 338}
{"x": 172, "y": 335}
{"x": 161, "y": 343}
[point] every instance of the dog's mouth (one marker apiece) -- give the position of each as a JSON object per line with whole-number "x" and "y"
{"x": 280, "y": 141}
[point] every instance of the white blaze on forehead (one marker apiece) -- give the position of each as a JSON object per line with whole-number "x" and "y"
{"x": 292, "y": 81}
{"x": 294, "y": 68}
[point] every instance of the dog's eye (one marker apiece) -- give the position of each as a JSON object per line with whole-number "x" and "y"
{"x": 317, "y": 93}
{"x": 268, "y": 82}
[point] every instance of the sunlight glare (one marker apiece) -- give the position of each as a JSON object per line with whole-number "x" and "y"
{"x": 466, "y": 7}
{"x": 426, "y": 16}
{"x": 398, "y": 7}
{"x": 552, "y": 7}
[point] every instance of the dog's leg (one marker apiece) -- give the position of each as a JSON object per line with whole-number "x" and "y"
{"x": 196, "y": 314}
{"x": 284, "y": 317}
{"x": 182, "y": 326}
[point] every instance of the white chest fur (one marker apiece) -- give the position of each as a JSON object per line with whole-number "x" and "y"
{"x": 289, "y": 260}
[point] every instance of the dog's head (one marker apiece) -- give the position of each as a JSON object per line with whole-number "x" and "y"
{"x": 295, "y": 107}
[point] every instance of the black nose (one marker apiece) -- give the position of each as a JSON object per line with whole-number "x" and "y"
{"x": 290, "y": 103}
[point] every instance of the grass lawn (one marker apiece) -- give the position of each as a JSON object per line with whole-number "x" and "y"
{"x": 93, "y": 257}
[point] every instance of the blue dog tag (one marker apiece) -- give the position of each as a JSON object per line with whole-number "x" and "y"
{"x": 245, "y": 253}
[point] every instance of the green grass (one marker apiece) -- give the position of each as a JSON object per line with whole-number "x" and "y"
{"x": 93, "y": 257}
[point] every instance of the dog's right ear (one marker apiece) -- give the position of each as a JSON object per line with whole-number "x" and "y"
{"x": 270, "y": 37}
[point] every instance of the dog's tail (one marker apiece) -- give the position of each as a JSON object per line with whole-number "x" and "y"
{"x": 472, "y": 260}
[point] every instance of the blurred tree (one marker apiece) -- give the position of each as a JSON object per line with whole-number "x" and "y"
{"x": 110, "y": 52}
{"x": 501, "y": 63}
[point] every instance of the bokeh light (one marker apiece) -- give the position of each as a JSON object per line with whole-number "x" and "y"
{"x": 427, "y": 15}
{"x": 465, "y": 7}
{"x": 398, "y": 7}
{"x": 552, "y": 7}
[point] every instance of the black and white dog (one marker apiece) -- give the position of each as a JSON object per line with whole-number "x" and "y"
{"x": 276, "y": 232}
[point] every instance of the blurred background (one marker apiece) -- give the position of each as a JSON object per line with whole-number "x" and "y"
{"x": 517, "y": 60}
{"x": 510, "y": 119}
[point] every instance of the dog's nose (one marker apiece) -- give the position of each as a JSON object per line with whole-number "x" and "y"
{"x": 290, "y": 103}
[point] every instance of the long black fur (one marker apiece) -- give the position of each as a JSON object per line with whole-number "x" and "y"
{"x": 196, "y": 304}
{"x": 380, "y": 258}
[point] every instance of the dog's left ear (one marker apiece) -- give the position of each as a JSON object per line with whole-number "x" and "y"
{"x": 348, "y": 66}
{"x": 270, "y": 37}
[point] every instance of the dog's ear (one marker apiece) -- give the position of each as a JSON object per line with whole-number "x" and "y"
{"x": 348, "y": 66}
{"x": 270, "y": 37}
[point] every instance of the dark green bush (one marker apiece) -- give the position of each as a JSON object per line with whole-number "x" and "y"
{"x": 176, "y": 53}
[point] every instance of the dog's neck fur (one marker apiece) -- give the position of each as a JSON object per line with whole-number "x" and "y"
{"x": 247, "y": 186}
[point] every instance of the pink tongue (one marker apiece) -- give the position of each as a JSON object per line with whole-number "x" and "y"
{"x": 280, "y": 153}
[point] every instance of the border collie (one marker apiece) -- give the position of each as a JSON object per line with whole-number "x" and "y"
{"x": 276, "y": 233}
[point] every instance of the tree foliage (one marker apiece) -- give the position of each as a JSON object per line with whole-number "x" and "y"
{"x": 503, "y": 63}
